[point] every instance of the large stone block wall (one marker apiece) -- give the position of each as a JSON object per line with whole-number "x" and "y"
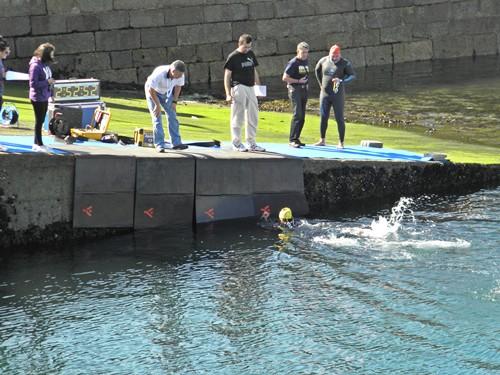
{"x": 123, "y": 40}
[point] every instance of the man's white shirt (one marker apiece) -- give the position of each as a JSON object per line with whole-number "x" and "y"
{"x": 159, "y": 81}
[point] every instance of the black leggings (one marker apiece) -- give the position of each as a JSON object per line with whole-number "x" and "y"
{"x": 1, "y": 102}
{"x": 40, "y": 109}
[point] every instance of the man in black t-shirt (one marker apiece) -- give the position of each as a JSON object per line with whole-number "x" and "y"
{"x": 296, "y": 76}
{"x": 240, "y": 76}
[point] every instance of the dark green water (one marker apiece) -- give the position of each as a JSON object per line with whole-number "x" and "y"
{"x": 412, "y": 291}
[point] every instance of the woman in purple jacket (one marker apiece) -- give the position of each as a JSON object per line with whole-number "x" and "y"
{"x": 40, "y": 88}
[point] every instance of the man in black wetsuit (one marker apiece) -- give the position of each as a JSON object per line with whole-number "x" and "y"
{"x": 332, "y": 73}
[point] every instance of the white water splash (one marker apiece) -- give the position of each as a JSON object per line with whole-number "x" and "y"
{"x": 335, "y": 241}
{"x": 428, "y": 244}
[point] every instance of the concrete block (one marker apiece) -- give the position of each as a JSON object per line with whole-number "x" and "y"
{"x": 277, "y": 175}
{"x": 402, "y": 33}
{"x": 293, "y": 8}
{"x": 87, "y": 22}
{"x": 121, "y": 59}
{"x": 274, "y": 28}
{"x": 205, "y": 33}
{"x": 65, "y": 44}
{"x": 159, "y": 37}
{"x": 464, "y": 9}
{"x": 398, "y": 3}
{"x": 261, "y": 10}
{"x": 208, "y": 52}
{"x": 379, "y": 55}
{"x": 216, "y": 71}
{"x": 489, "y": 7}
{"x": 229, "y": 12}
{"x": 265, "y": 47}
{"x": 62, "y": 7}
{"x": 183, "y": 16}
{"x": 369, "y": 4}
{"x": 272, "y": 65}
{"x": 18, "y": 8}
{"x": 366, "y": 38}
{"x": 412, "y": 51}
{"x": 188, "y": 54}
{"x": 119, "y": 172}
{"x": 430, "y": 30}
{"x": 383, "y": 18}
{"x": 92, "y": 61}
{"x": 134, "y": 4}
{"x": 117, "y": 40}
{"x": 426, "y": 14}
{"x": 53, "y": 24}
{"x": 273, "y": 203}
{"x": 198, "y": 72}
{"x": 453, "y": 46}
{"x": 356, "y": 56}
{"x": 114, "y": 20}
{"x": 15, "y": 26}
{"x": 27, "y": 207}
{"x": 165, "y": 176}
{"x": 146, "y": 18}
{"x": 163, "y": 210}
{"x": 485, "y": 44}
{"x": 65, "y": 66}
{"x": 223, "y": 207}
{"x": 223, "y": 177}
{"x": 338, "y": 6}
{"x": 116, "y": 75}
{"x": 95, "y": 6}
{"x": 151, "y": 56}
{"x": 243, "y": 27}
{"x": 103, "y": 210}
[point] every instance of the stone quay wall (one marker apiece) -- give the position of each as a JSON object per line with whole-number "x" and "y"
{"x": 37, "y": 192}
{"x": 122, "y": 41}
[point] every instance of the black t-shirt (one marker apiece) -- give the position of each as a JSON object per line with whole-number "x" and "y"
{"x": 297, "y": 69}
{"x": 242, "y": 66}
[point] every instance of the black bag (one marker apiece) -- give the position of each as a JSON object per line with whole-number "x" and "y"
{"x": 59, "y": 127}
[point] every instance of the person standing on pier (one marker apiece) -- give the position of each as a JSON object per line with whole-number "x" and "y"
{"x": 296, "y": 76}
{"x": 4, "y": 52}
{"x": 40, "y": 82}
{"x": 240, "y": 76}
{"x": 162, "y": 89}
{"x": 332, "y": 73}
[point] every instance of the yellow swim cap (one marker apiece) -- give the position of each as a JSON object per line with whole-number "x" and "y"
{"x": 285, "y": 214}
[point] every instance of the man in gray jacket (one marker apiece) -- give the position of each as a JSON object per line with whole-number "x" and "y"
{"x": 332, "y": 73}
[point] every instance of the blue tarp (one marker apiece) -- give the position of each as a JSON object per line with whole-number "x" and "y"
{"x": 22, "y": 144}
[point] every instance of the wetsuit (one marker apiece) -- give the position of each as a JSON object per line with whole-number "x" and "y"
{"x": 326, "y": 69}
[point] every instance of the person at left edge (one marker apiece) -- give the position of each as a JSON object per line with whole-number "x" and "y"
{"x": 40, "y": 81}
{"x": 162, "y": 89}
{"x": 4, "y": 52}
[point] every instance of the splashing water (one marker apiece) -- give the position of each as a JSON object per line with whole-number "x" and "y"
{"x": 382, "y": 227}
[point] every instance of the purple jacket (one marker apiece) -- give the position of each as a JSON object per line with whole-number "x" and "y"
{"x": 39, "y": 86}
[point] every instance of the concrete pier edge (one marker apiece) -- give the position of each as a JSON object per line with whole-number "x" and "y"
{"x": 38, "y": 192}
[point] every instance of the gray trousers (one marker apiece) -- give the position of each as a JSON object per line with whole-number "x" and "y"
{"x": 298, "y": 98}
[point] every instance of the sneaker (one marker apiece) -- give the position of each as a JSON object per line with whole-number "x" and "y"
{"x": 300, "y": 143}
{"x": 38, "y": 148}
{"x": 256, "y": 148}
{"x": 239, "y": 147}
{"x": 179, "y": 147}
{"x": 340, "y": 145}
{"x": 160, "y": 148}
{"x": 294, "y": 144}
{"x": 320, "y": 143}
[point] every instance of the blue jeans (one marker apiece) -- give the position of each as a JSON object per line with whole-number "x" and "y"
{"x": 173, "y": 123}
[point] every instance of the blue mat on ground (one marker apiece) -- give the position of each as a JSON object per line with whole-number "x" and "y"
{"x": 22, "y": 144}
{"x": 347, "y": 153}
